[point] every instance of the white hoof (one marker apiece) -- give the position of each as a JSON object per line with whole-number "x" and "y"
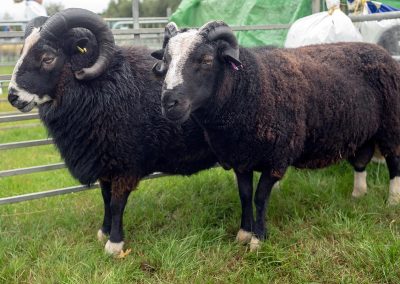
{"x": 243, "y": 237}
{"x": 360, "y": 184}
{"x": 255, "y": 244}
{"x": 359, "y": 192}
{"x": 394, "y": 191}
{"x": 276, "y": 185}
{"x": 394, "y": 200}
{"x": 101, "y": 236}
{"x": 113, "y": 248}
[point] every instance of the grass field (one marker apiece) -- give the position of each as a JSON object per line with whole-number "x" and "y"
{"x": 182, "y": 229}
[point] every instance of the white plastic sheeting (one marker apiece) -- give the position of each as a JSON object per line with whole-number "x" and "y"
{"x": 325, "y": 27}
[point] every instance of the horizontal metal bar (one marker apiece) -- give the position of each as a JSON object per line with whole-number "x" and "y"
{"x": 72, "y": 189}
{"x": 138, "y": 31}
{"x": 161, "y": 30}
{"x": 261, "y": 27}
{"x": 21, "y": 125}
{"x": 375, "y": 17}
{"x": 7, "y": 113}
{"x": 42, "y": 194}
{"x": 141, "y": 19}
{"x": 18, "y": 117}
{"x": 5, "y": 77}
{"x": 37, "y": 169}
{"x": 11, "y": 34}
{"x": 24, "y": 144}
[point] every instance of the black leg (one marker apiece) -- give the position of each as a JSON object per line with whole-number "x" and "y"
{"x": 393, "y": 163}
{"x": 362, "y": 156}
{"x": 120, "y": 190}
{"x": 106, "y": 193}
{"x": 261, "y": 198}
{"x": 245, "y": 185}
{"x": 117, "y": 211}
{"x": 359, "y": 162}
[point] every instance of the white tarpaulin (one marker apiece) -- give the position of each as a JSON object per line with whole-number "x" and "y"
{"x": 324, "y": 27}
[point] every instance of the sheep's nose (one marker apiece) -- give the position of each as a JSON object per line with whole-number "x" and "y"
{"x": 12, "y": 95}
{"x": 169, "y": 100}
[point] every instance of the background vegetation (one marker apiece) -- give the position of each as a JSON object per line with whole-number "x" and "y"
{"x": 147, "y": 8}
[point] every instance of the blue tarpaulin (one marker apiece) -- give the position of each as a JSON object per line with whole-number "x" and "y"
{"x": 376, "y": 7}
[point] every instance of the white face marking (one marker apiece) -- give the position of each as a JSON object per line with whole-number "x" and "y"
{"x": 23, "y": 95}
{"x": 360, "y": 184}
{"x": 394, "y": 191}
{"x": 179, "y": 48}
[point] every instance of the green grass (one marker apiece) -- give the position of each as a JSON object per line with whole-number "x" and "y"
{"x": 182, "y": 229}
{"x": 4, "y": 106}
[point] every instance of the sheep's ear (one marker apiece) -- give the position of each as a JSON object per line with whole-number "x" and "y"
{"x": 77, "y": 45}
{"x": 171, "y": 30}
{"x": 231, "y": 56}
{"x": 159, "y": 69}
{"x": 158, "y": 54}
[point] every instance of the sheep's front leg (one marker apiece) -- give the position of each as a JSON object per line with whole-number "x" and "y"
{"x": 245, "y": 185}
{"x": 359, "y": 162}
{"x": 106, "y": 227}
{"x": 116, "y": 242}
{"x": 264, "y": 187}
{"x": 120, "y": 190}
{"x": 393, "y": 163}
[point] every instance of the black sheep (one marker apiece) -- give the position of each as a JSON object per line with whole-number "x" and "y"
{"x": 269, "y": 109}
{"x": 106, "y": 121}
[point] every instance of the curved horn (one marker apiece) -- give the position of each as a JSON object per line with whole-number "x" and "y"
{"x": 171, "y": 30}
{"x": 218, "y": 30}
{"x": 34, "y": 23}
{"x": 57, "y": 25}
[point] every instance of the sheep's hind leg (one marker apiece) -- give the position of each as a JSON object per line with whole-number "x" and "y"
{"x": 245, "y": 185}
{"x": 118, "y": 201}
{"x": 393, "y": 163}
{"x": 106, "y": 227}
{"x": 359, "y": 162}
{"x": 264, "y": 187}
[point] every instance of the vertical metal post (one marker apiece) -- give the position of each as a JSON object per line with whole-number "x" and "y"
{"x": 135, "y": 16}
{"x": 316, "y": 6}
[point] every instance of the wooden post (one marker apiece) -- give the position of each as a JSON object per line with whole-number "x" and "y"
{"x": 135, "y": 16}
{"x": 316, "y": 6}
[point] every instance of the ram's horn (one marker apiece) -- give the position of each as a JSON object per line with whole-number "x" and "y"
{"x": 34, "y": 23}
{"x": 56, "y": 27}
{"x": 218, "y": 30}
{"x": 171, "y": 30}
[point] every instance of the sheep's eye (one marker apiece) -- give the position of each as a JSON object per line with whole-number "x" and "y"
{"x": 206, "y": 60}
{"x": 48, "y": 59}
